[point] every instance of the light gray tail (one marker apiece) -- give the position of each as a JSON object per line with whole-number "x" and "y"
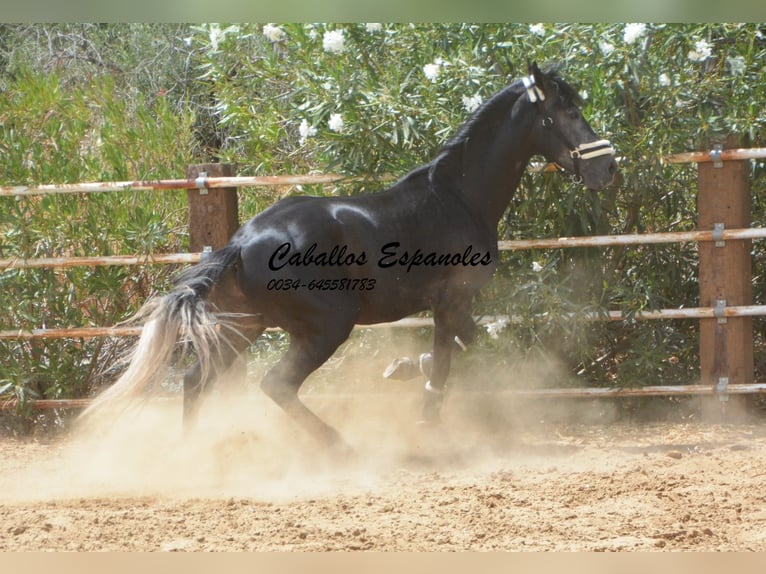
{"x": 181, "y": 316}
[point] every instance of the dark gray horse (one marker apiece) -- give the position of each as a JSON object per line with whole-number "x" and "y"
{"x": 317, "y": 266}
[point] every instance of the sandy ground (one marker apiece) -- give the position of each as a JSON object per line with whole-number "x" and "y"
{"x": 247, "y": 479}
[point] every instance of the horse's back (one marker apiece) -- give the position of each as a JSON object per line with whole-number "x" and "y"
{"x": 368, "y": 258}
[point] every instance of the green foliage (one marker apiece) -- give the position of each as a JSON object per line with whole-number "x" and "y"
{"x": 101, "y": 102}
{"x": 55, "y": 131}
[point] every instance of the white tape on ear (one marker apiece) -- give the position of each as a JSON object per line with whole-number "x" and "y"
{"x": 533, "y": 92}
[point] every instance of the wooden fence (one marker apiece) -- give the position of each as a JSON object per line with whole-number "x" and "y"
{"x": 724, "y": 236}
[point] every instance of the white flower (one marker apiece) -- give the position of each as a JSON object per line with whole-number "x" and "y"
{"x": 537, "y": 29}
{"x": 373, "y": 27}
{"x": 188, "y": 41}
{"x": 335, "y": 123}
{"x": 495, "y": 327}
{"x": 472, "y": 103}
{"x": 702, "y": 51}
{"x": 664, "y": 80}
{"x": 215, "y": 36}
{"x": 536, "y": 267}
{"x": 274, "y": 33}
{"x": 736, "y": 65}
{"x": 633, "y": 32}
{"x": 333, "y": 41}
{"x": 605, "y": 47}
{"x": 306, "y": 131}
{"x": 432, "y": 71}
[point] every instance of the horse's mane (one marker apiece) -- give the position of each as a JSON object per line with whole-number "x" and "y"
{"x": 491, "y": 111}
{"x": 504, "y": 100}
{"x": 501, "y": 101}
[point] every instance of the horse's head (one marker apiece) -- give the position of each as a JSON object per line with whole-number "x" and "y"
{"x": 562, "y": 134}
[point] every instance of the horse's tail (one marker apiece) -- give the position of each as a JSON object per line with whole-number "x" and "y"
{"x": 181, "y": 315}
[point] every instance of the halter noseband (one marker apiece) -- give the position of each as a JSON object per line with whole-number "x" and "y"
{"x": 581, "y": 152}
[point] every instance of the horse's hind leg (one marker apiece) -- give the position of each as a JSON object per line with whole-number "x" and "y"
{"x": 195, "y": 381}
{"x": 282, "y": 382}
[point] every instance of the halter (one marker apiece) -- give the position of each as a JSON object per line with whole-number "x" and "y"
{"x": 583, "y": 151}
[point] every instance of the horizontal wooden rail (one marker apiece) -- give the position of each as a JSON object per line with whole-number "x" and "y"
{"x": 574, "y": 392}
{"x": 724, "y": 155}
{"x": 106, "y": 260}
{"x": 649, "y": 391}
{"x": 165, "y": 184}
{"x": 503, "y": 245}
{"x": 205, "y": 183}
{"x": 422, "y": 322}
{"x": 632, "y": 239}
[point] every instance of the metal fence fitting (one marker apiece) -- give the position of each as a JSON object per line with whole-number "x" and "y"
{"x": 201, "y": 183}
{"x": 718, "y": 234}
{"x": 715, "y": 155}
{"x": 718, "y": 311}
{"x": 721, "y": 387}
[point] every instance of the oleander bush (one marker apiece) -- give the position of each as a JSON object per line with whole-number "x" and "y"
{"x": 115, "y": 102}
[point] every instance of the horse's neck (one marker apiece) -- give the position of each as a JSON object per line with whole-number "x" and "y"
{"x": 493, "y": 162}
{"x": 489, "y": 186}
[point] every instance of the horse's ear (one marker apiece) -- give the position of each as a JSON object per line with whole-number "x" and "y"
{"x": 542, "y": 82}
{"x": 535, "y": 72}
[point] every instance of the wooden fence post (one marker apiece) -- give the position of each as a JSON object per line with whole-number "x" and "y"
{"x": 725, "y": 272}
{"x": 213, "y": 216}
{"x": 213, "y": 219}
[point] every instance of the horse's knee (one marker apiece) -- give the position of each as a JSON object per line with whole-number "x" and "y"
{"x": 466, "y": 331}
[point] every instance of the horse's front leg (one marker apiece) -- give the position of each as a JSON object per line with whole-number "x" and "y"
{"x": 453, "y": 330}
{"x": 433, "y": 396}
{"x": 444, "y": 341}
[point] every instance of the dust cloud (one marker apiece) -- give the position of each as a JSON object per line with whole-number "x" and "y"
{"x": 245, "y": 446}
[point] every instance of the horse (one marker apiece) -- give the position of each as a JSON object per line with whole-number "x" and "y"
{"x": 317, "y": 266}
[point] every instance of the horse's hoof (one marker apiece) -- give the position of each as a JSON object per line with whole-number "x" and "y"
{"x": 401, "y": 369}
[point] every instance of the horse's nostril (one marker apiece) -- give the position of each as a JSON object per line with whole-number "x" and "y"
{"x": 612, "y": 168}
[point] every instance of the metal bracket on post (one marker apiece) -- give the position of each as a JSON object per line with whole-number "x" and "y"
{"x": 715, "y": 156}
{"x": 718, "y": 311}
{"x": 718, "y": 234}
{"x": 206, "y": 251}
{"x": 201, "y": 183}
{"x": 721, "y": 388}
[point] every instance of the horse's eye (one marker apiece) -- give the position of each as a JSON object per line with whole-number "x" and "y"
{"x": 573, "y": 113}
